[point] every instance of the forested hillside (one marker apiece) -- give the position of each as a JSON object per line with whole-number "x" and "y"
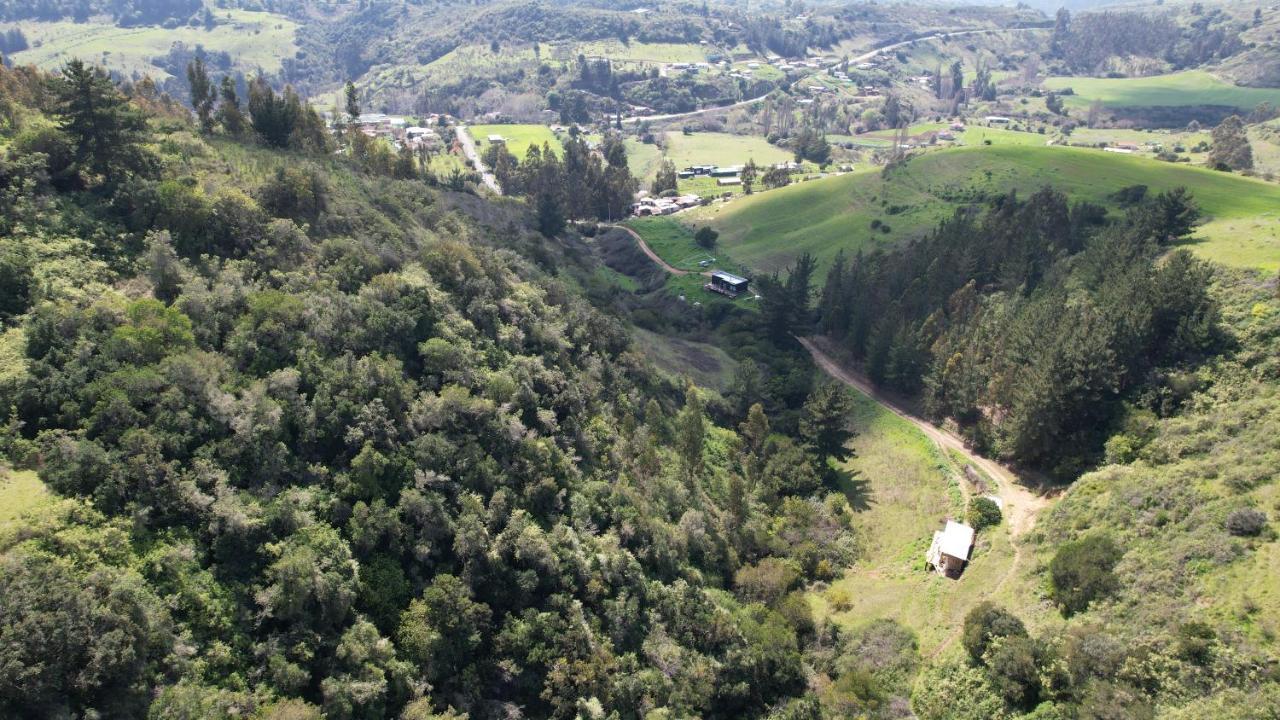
{"x": 325, "y": 443}
{"x": 1033, "y": 323}
{"x": 295, "y": 423}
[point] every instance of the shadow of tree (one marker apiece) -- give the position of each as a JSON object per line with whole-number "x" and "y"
{"x": 856, "y": 488}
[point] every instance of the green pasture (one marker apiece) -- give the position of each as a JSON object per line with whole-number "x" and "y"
{"x": 1190, "y": 87}
{"x": 517, "y": 137}
{"x": 253, "y": 39}
{"x": 768, "y": 230}
{"x": 713, "y": 148}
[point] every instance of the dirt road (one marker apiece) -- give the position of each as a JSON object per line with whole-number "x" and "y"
{"x": 644, "y": 247}
{"x": 1021, "y": 504}
{"x": 469, "y": 149}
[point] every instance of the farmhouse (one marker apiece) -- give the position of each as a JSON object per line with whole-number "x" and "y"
{"x": 735, "y": 180}
{"x": 726, "y": 171}
{"x": 998, "y": 120}
{"x": 496, "y": 139}
{"x": 726, "y": 284}
{"x": 950, "y": 549}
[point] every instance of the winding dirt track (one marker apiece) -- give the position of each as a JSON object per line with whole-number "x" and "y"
{"x": 1021, "y": 504}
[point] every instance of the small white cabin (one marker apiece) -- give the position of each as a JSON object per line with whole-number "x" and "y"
{"x": 950, "y": 549}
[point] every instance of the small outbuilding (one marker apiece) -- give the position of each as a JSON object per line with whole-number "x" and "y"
{"x": 950, "y": 549}
{"x": 727, "y": 284}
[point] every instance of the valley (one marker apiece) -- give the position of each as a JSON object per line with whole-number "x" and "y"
{"x": 504, "y": 359}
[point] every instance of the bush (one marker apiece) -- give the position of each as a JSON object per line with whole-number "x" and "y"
{"x": 706, "y": 237}
{"x": 1083, "y": 571}
{"x": 987, "y": 622}
{"x": 1246, "y": 522}
{"x": 983, "y": 513}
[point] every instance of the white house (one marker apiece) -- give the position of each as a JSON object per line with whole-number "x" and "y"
{"x": 950, "y": 549}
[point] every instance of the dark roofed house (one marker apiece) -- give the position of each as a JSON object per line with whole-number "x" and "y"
{"x": 727, "y": 284}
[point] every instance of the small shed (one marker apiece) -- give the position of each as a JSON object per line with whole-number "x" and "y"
{"x": 727, "y": 284}
{"x": 950, "y": 549}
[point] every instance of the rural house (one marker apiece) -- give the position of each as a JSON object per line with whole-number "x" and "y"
{"x": 726, "y": 284}
{"x": 950, "y": 549}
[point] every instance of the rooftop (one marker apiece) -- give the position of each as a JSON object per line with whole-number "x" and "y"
{"x": 955, "y": 540}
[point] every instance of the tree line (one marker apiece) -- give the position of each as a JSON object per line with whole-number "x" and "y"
{"x": 578, "y": 183}
{"x": 1033, "y": 323}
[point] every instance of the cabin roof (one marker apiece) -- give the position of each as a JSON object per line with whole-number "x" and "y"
{"x": 728, "y": 277}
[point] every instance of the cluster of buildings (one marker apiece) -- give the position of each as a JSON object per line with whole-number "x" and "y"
{"x": 397, "y": 130}
{"x": 647, "y": 206}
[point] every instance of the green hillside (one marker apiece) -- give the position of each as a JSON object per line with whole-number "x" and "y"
{"x": 253, "y": 39}
{"x": 1193, "y": 87}
{"x": 768, "y": 230}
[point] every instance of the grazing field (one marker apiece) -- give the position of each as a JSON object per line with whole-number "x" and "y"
{"x": 769, "y": 230}
{"x": 713, "y": 148}
{"x": 253, "y": 39}
{"x": 904, "y": 488}
{"x": 642, "y": 159}
{"x": 517, "y": 137}
{"x": 1192, "y": 87}
{"x": 672, "y": 241}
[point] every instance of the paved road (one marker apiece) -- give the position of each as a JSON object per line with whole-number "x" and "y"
{"x": 859, "y": 59}
{"x": 469, "y": 149}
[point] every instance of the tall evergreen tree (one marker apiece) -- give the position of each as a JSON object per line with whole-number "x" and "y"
{"x": 229, "y": 112}
{"x": 203, "y": 94}
{"x": 353, "y": 101}
{"x": 106, "y": 129}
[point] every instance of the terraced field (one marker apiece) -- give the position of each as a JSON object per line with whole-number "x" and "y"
{"x": 768, "y": 230}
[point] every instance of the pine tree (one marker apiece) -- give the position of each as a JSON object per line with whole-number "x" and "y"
{"x": 666, "y": 179}
{"x": 353, "y": 102}
{"x": 202, "y": 93}
{"x": 690, "y": 434}
{"x": 748, "y": 176}
{"x": 229, "y": 112}
{"x": 106, "y": 129}
{"x": 824, "y": 422}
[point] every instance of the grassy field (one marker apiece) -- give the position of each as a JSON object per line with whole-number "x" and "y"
{"x": 906, "y": 488}
{"x": 253, "y": 39}
{"x": 1192, "y": 87}
{"x": 708, "y": 365}
{"x": 721, "y": 149}
{"x": 518, "y": 137}
{"x": 644, "y": 52}
{"x": 20, "y": 492}
{"x": 769, "y": 230}
{"x": 672, "y": 240}
{"x": 642, "y": 159}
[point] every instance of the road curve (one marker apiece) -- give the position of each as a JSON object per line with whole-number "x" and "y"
{"x": 469, "y": 149}
{"x": 1021, "y": 504}
{"x": 644, "y": 247}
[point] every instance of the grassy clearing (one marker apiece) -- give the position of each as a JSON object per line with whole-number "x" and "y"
{"x": 1192, "y": 87}
{"x": 721, "y": 149}
{"x": 642, "y": 159}
{"x": 644, "y": 52}
{"x": 769, "y": 230}
{"x": 907, "y": 489}
{"x": 708, "y": 365}
{"x": 672, "y": 241}
{"x": 253, "y": 39}
{"x": 517, "y": 137}
{"x": 20, "y": 492}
